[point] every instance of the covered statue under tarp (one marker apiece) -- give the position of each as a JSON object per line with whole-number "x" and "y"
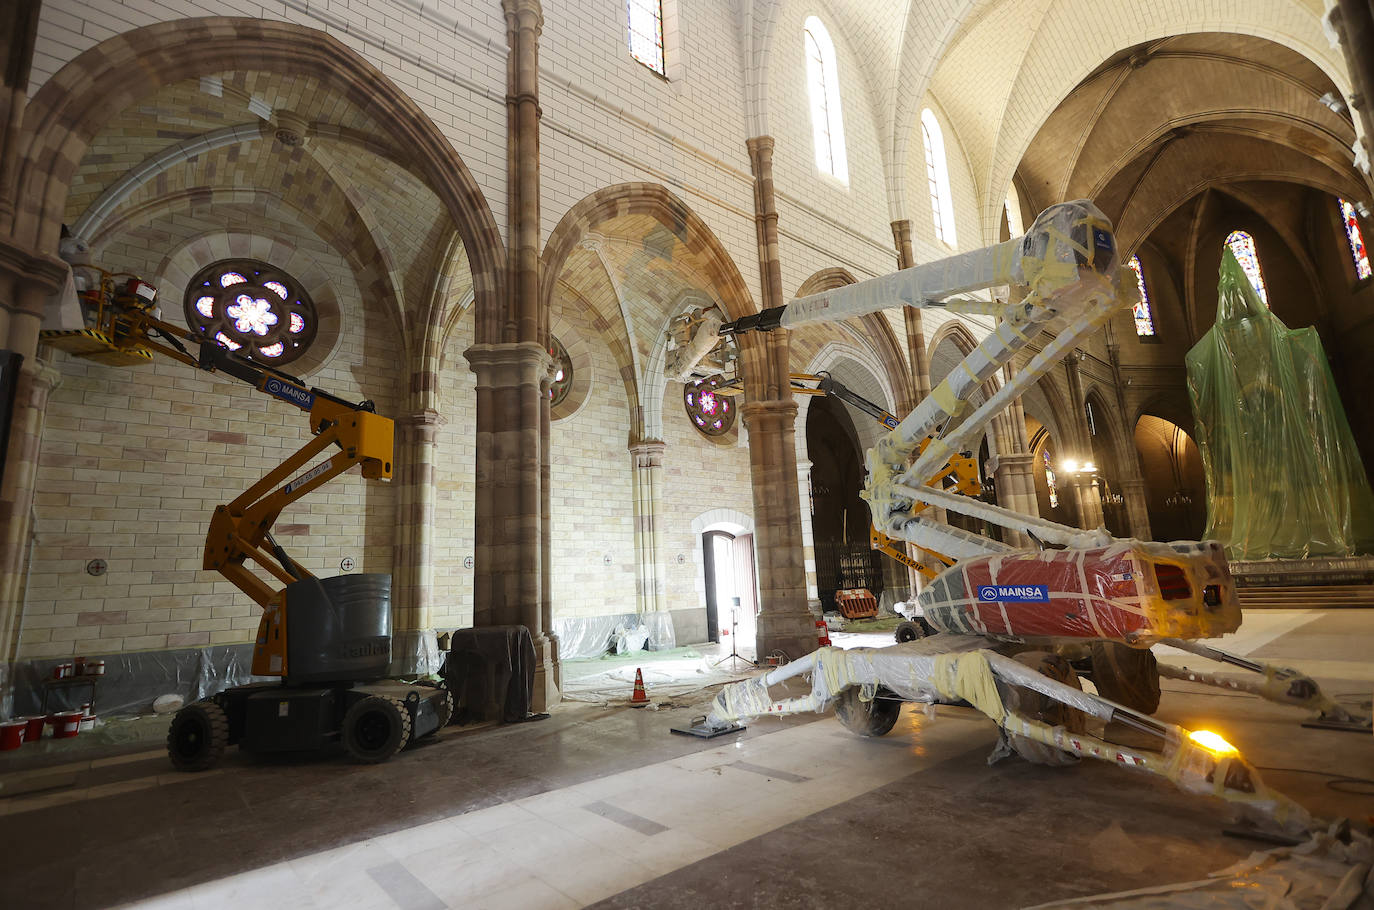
{"x": 1284, "y": 479}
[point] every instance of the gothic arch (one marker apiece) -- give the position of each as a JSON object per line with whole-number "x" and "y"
{"x": 878, "y": 332}
{"x": 71, "y": 107}
{"x": 669, "y": 211}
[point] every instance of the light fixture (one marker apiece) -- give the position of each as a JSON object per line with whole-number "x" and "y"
{"x": 1088, "y": 467}
{"x": 1213, "y": 743}
{"x": 1070, "y": 466}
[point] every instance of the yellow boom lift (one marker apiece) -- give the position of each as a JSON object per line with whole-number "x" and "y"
{"x": 328, "y": 640}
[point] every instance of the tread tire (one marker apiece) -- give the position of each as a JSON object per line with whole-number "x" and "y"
{"x": 1128, "y": 676}
{"x": 1040, "y": 707}
{"x": 909, "y": 631}
{"x": 197, "y": 736}
{"x": 375, "y": 728}
{"x": 867, "y": 718}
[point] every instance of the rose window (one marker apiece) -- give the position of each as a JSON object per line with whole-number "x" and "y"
{"x": 253, "y": 308}
{"x": 710, "y": 411}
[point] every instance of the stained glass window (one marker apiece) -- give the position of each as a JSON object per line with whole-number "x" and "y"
{"x": 823, "y": 86}
{"x": 937, "y": 175}
{"x": 1243, "y": 246}
{"x": 253, "y": 308}
{"x": 1050, "y": 479}
{"x": 646, "y": 33}
{"x": 563, "y": 372}
{"x": 710, "y": 412}
{"x": 1356, "y": 238}
{"x": 1144, "y": 318}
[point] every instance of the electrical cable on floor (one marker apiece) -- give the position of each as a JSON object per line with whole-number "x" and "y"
{"x": 1339, "y": 782}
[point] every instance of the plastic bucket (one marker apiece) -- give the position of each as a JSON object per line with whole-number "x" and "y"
{"x": 65, "y": 724}
{"x": 12, "y": 734}
{"x": 35, "y": 727}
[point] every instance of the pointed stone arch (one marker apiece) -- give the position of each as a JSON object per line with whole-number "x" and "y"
{"x": 878, "y": 332}
{"x": 79, "y": 99}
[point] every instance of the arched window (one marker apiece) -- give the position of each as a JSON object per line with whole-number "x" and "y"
{"x": 646, "y": 34}
{"x": 253, "y": 308}
{"x": 1144, "y": 317}
{"x": 941, "y": 200}
{"x": 1015, "y": 226}
{"x": 1356, "y": 238}
{"x": 823, "y": 85}
{"x": 1050, "y": 479}
{"x": 1243, "y": 246}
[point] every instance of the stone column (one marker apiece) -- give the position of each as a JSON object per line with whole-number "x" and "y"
{"x": 1137, "y": 508}
{"x": 508, "y": 585}
{"x": 647, "y": 459}
{"x": 19, "y": 25}
{"x": 915, "y": 326}
{"x": 1014, "y": 475}
{"x": 1087, "y": 498}
{"x": 813, "y": 596}
{"x": 1353, "y": 23}
{"x": 414, "y": 648}
{"x": 770, "y": 416}
{"x": 1132, "y": 480}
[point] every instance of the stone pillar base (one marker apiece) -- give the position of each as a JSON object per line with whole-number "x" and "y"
{"x": 793, "y": 633}
{"x": 548, "y": 671}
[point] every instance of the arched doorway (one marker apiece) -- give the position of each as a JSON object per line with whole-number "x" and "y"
{"x": 731, "y": 599}
{"x": 1051, "y": 493}
{"x": 839, "y": 517}
{"x": 1175, "y": 492}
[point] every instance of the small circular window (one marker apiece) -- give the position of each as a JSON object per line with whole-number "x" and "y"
{"x": 253, "y": 308}
{"x": 711, "y": 412}
{"x": 562, "y": 374}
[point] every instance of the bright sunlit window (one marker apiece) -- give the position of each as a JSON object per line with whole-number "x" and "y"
{"x": 937, "y": 172}
{"x": 1144, "y": 318}
{"x": 1015, "y": 227}
{"x": 1243, "y": 246}
{"x": 823, "y": 85}
{"x": 646, "y": 34}
{"x": 1358, "y": 252}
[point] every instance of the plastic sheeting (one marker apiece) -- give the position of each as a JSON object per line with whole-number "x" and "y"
{"x": 593, "y": 636}
{"x": 1326, "y": 872}
{"x": 1284, "y": 479}
{"x": 133, "y": 680}
{"x": 1131, "y": 591}
{"x": 952, "y": 667}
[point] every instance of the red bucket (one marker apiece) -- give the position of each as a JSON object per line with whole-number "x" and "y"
{"x": 12, "y": 734}
{"x": 35, "y": 727}
{"x": 65, "y": 724}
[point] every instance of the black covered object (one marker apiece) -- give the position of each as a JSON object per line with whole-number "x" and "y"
{"x": 491, "y": 673}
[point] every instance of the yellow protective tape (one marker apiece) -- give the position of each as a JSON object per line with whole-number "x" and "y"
{"x": 969, "y": 677}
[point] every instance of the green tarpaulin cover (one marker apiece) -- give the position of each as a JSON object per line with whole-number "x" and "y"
{"x": 1284, "y": 479}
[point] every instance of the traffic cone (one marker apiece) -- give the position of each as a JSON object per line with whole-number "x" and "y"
{"x": 640, "y": 698}
{"x": 822, "y": 633}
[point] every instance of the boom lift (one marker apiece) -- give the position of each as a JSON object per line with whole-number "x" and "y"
{"x": 1003, "y": 613}
{"x": 328, "y": 640}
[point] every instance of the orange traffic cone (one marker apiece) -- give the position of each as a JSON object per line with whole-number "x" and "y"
{"x": 822, "y": 633}
{"x": 640, "y": 698}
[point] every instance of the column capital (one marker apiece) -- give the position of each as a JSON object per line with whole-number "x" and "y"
{"x": 517, "y": 10}
{"x": 760, "y": 144}
{"x": 427, "y": 417}
{"x": 508, "y": 363}
{"x": 761, "y": 412}
{"x": 647, "y": 446}
{"x": 30, "y": 270}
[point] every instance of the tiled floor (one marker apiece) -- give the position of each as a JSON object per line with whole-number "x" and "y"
{"x": 602, "y": 804}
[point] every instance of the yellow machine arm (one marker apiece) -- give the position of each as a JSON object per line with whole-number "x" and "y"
{"x": 126, "y": 330}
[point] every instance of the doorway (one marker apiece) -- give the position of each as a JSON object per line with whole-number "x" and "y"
{"x": 728, "y": 560}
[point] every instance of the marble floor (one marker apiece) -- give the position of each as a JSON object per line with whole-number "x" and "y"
{"x": 601, "y": 805}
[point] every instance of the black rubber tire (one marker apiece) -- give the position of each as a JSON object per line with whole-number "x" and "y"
{"x": 197, "y": 736}
{"x": 867, "y": 718}
{"x": 445, "y": 710}
{"x": 909, "y": 631}
{"x": 1032, "y": 704}
{"x": 375, "y": 729}
{"x": 1128, "y": 676}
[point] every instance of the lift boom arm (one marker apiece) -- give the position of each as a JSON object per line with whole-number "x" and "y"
{"x": 127, "y": 331}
